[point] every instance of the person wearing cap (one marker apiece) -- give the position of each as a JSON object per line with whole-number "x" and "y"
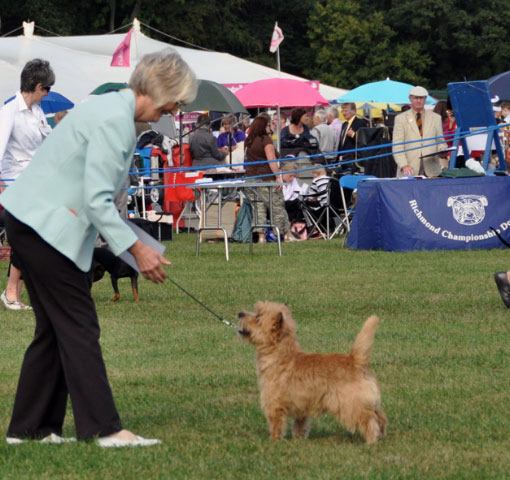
{"x": 424, "y": 129}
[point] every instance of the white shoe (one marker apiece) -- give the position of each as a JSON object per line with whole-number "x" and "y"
{"x": 53, "y": 438}
{"x": 10, "y": 305}
{"x": 115, "y": 442}
{"x": 57, "y": 439}
{"x": 14, "y": 441}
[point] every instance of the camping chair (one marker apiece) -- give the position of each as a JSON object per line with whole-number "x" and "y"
{"x": 328, "y": 221}
{"x": 350, "y": 182}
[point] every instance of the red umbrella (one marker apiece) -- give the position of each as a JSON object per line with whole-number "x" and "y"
{"x": 279, "y": 92}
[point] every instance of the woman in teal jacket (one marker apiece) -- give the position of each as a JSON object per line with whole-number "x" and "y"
{"x": 54, "y": 211}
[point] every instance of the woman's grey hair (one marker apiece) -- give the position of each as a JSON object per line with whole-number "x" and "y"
{"x": 34, "y": 72}
{"x": 321, "y": 115}
{"x": 333, "y": 111}
{"x": 165, "y": 77}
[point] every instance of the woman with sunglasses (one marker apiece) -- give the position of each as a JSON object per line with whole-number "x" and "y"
{"x": 23, "y": 127}
{"x": 74, "y": 177}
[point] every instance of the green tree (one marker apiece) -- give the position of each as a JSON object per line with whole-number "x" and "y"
{"x": 341, "y": 42}
{"x": 465, "y": 39}
{"x": 351, "y": 47}
{"x": 77, "y": 18}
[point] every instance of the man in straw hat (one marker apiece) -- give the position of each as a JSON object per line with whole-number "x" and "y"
{"x": 423, "y": 128}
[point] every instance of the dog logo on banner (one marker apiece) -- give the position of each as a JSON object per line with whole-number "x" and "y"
{"x": 468, "y": 209}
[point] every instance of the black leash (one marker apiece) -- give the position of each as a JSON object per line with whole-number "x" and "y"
{"x": 221, "y": 319}
{"x": 502, "y": 240}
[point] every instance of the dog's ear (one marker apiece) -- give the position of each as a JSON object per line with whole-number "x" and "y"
{"x": 276, "y": 329}
{"x": 259, "y": 306}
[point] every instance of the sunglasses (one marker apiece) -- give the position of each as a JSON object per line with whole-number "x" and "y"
{"x": 46, "y": 88}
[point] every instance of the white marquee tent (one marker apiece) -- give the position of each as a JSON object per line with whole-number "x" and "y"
{"x": 81, "y": 63}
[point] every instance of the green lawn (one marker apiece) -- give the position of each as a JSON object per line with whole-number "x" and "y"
{"x": 441, "y": 356}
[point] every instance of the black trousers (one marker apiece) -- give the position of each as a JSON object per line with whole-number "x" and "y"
{"x": 65, "y": 356}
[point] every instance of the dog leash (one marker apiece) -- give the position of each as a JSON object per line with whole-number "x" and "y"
{"x": 221, "y": 319}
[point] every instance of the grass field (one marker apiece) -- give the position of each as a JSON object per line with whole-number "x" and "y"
{"x": 441, "y": 356}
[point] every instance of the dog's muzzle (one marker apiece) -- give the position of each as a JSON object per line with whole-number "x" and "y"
{"x": 243, "y": 332}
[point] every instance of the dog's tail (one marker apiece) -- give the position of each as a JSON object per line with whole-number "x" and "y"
{"x": 362, "y": 347}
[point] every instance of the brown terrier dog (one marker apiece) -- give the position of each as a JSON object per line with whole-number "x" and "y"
{"x": 303, "y": 385}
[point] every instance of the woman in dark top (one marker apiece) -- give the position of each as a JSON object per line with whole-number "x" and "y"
{"x": 260, "y": 148}
{"x": 298, "y": 125}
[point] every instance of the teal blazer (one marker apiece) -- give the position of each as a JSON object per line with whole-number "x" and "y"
{"x": 66, "y": 194}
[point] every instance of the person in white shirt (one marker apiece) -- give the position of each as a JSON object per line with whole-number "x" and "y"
{"x": 292, "y": 191}
{"x": 291, "y": 187}
{"x": 23, "y": 127}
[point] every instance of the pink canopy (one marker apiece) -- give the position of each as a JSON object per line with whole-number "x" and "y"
{"x": 279, "y": 92}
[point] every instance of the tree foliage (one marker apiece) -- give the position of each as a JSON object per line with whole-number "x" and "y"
{"x": 351, "y": 48}
{"x": 340, "y": 42}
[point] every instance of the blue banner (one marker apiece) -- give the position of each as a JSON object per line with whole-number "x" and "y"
{"x": 431, "y": 214}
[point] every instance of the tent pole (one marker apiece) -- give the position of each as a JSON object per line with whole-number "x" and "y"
{"x": 230, "y": 146}
{"x": 181, "y": 153}
{"x": 278, "y": 128}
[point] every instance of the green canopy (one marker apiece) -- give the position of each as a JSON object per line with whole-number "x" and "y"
{"x": 108, "y": 87}
{"x": 214, "y": 97}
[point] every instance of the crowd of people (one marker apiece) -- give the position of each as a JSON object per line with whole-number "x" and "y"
{"x": 328, "y": 140}
{"x": 321, "y": 133}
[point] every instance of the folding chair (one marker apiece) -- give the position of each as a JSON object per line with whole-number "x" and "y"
{"x": 328, "y": 220}
{"x": 350, "y": 182}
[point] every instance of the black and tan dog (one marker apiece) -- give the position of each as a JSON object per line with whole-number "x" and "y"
{"x": 105, "y": 261}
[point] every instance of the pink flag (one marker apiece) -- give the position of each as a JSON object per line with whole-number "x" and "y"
{"x": 276, "y": 39}
{"x": 121, "y": 55}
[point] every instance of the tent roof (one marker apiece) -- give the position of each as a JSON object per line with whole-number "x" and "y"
{"x": 81, "y": 63}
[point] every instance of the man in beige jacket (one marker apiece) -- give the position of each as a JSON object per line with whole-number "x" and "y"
{"x": 408, "y": 129}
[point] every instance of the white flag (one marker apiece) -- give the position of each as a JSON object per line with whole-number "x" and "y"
{"x": 276, "y": 39}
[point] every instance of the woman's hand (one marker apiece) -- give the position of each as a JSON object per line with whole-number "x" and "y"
{"x": 149, "y": 262}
